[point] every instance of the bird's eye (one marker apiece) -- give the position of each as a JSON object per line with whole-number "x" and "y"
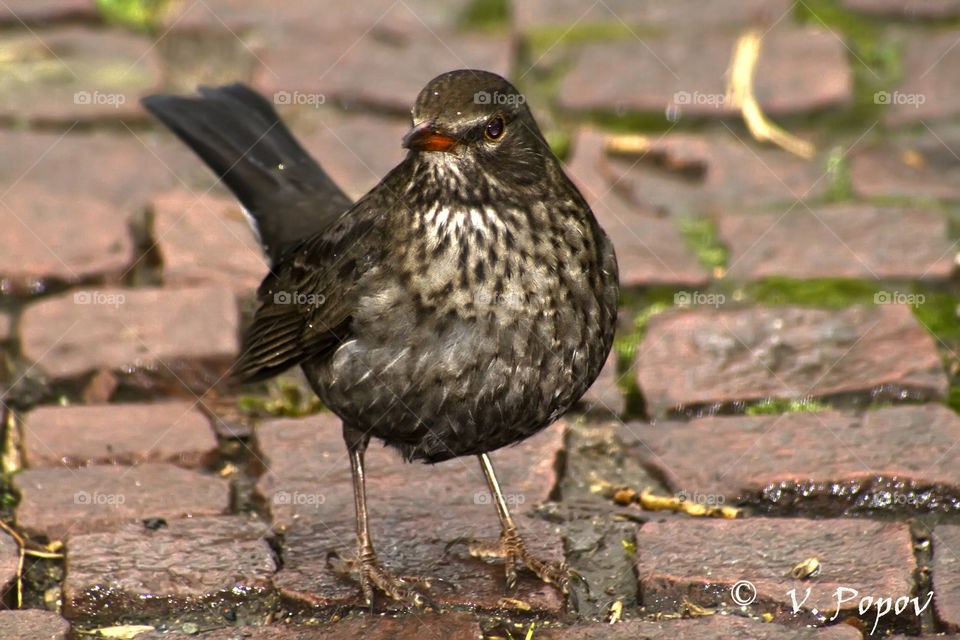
{"x": 495, "y": 128}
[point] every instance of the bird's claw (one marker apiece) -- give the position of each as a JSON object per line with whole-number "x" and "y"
{"x": 400, "y": 588}
{"x": 510, "y": 547}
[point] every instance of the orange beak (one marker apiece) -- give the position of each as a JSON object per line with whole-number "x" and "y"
{"x": 427, "y": 137}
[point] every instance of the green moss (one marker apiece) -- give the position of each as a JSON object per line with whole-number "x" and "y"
{"x": 779, "y": 405}
{"x": 649, "y": 303}
{"x": 701, "y": 237}
{"x": 833, "y": 293}
{"x": 560, "y": 143}
{"x": 838, "y": 171}
{"x": 8, "y": 500}
{"x": 953, "y": 399}
{"x": 490, "y": 15}
{"x": 284, "y": 399}
{"x": 545, "y": 39}
{"x": 937, "y": 311}
{"x": 633, "y": 121}
{"x": 142, "y": 15}
{"x": 875, "y": 61}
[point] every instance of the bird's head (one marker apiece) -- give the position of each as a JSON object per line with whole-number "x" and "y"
{"x": 480, "y": 118}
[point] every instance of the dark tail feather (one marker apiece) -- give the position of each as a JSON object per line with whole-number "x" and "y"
{"x": 240, "y": 136}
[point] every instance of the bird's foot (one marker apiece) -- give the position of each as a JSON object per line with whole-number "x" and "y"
{"x": 510, "y": 547}
{"x": 371, "y": 574}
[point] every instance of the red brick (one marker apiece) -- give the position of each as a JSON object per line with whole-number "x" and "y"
{"x": 908, "y": 9}
{"x": 688, "y": 70}
{"x": 205, "y": 240}
{"x": 86, "y": 330}
{"x": 9, "y": 559}
{"x": 838, "y": 241}
{"x": 827, "y": 462}
{"x": 117, "y": 434}
{"x": 357, "y": 151}
{"x": 41, "y": 243}
{"x": 381, "y": 66}
{"x": 925, "y": 168}
{"x": 683, "y": 15}
{"x": 59, "y": 501}
{"x": 946, "y": 575}
{"x": 20, "y": 12}
{"x": 33, "y": 624}
{"x": 650, "y": 250}
{"x": 449, "y": 625}
{"x": 929, "y": 90}
{"x": 78, "y": 73}
{"x": 710, "y": 627}
{"x": 685, "y": 173}
{"x": 699, "y": 562}
{"x": 416, "y": 511}
{"x": 187, "y": 570}
{"x": 718, "y": 357}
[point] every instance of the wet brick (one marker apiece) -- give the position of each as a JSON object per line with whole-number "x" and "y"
{"x": 42, "y": 244}
{"x": 926, "y": 167}
{"x": 60, "y": 501}
{"x": 839, "y": 241}
{"x": 688, "y": 70}
{"x": 946, "y": 575}
{"x": 698, "y": 562}
{"x": 174, "y": 432}
{"x": 687, "y": 173}
{"x": 77, "y": 73}
{"x": 420, "y": 516}
{"x": 717, "y": 357}
{"x": 122, "y": 329}
{"x": 205, "y": 240}
{"x": 710, "y": 627}
{"x": 650, "y": 250}
{"x": 929, "y": 90}
{"x": 828, "y": 462}
{"x": 194, "y": 569}
{"x": 449, "y": 625}
{"x": 33, "y": 624}
{"x": 683, "y": 15}
{"x": 383, "y": 66}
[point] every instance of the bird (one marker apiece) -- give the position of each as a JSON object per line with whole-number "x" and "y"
{"x": 461, "y": 305}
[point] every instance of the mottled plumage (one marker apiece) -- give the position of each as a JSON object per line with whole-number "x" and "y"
{"x": 461, "y": 305}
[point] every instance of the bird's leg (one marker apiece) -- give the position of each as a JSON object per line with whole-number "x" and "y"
{"x": 371, "y": 572}
{"x": 510, "y": 546}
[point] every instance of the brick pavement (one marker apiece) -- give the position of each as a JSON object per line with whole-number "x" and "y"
{"x": 788, "y": 334}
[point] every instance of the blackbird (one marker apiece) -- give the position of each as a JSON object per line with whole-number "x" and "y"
{"x": 461, "y": 305}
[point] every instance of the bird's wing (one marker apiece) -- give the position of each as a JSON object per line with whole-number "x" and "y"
{"x": 308, "y": 299}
